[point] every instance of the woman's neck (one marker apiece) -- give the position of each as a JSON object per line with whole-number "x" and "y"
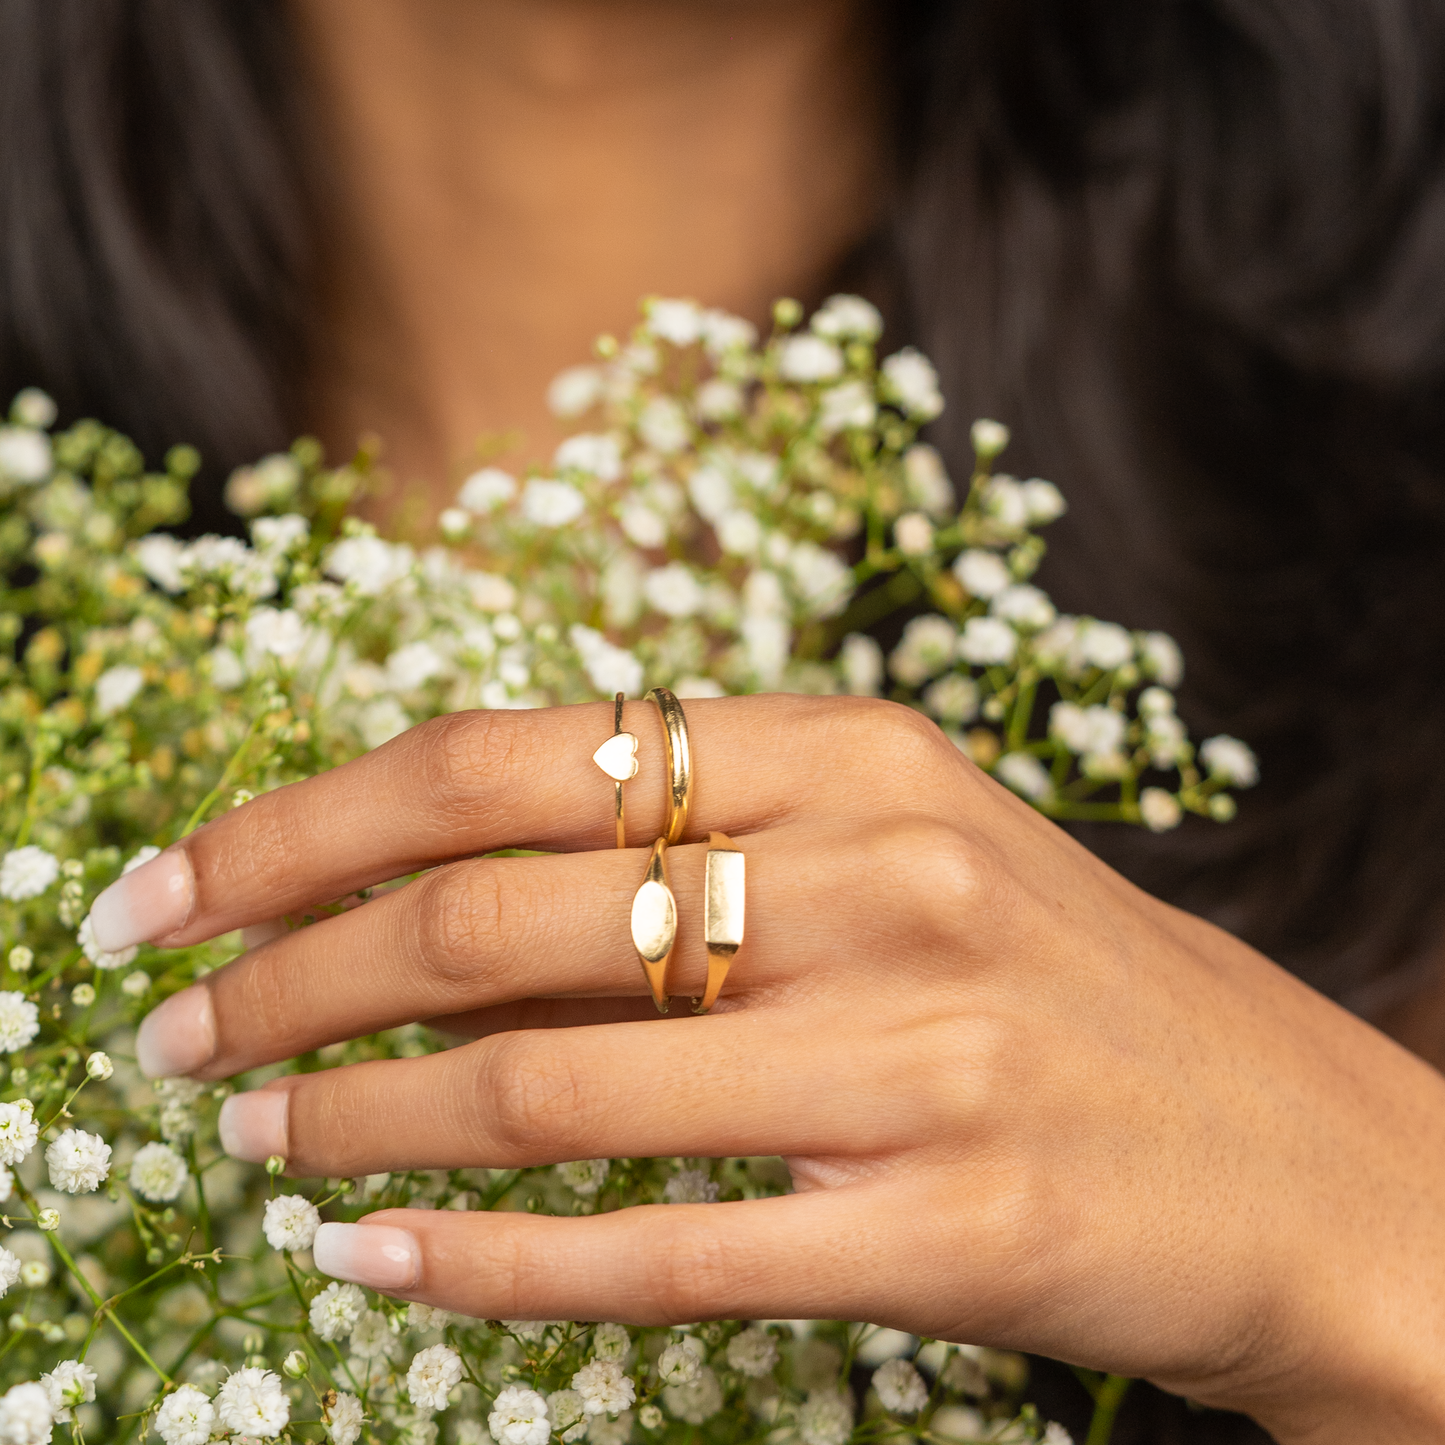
{"x": 505, "y": 178}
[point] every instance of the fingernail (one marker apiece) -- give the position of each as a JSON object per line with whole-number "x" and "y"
{"x": 179, "y": 1036}
{"x": 369, "y": 1254}
{"x": 147, "y": 903}
{"x": 253, "y": 1126}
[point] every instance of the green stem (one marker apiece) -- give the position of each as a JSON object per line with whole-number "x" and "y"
{"x": 204, "y": 806}
{"x": 1112, "y": 1390}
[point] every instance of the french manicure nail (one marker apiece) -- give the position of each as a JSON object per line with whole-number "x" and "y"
{"x": 369, "y": 1254}
{"x": 253, "y": 1126}
{"x": 147, "y": 903}
{"x": 179, "y": 1036}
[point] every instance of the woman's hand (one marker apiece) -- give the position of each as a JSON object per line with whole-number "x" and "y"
{"x": 1023, "y": 1103}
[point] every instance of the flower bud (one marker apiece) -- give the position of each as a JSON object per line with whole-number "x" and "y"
{"x": 787, "y": 312}
{"x": 135, "y": 984}
{"x": 989, "y": 439}
{"x": 99, "y": 1066}
{"x": 296, "y": 1364}
{"x": 82, "y": 995}
{"x": 275, "y": 1164}
{"x": 49, "y": 1219}
{"x": 21, "y": 958}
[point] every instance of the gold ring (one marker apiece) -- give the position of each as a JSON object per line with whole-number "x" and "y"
{"x": 679, "y": 761}
{"x": 723, "y": 930}
{"x": 654, "y": 924}
{"x": 617, "y": 757}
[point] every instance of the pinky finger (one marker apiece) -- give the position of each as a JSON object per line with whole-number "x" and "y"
{"x": 656, "y": 1264}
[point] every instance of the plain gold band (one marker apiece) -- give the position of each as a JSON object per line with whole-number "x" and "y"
{"x": 726, "y": 892}
{"x": 679, "y": 761}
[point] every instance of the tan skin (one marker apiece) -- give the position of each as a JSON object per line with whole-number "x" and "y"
{"x": 1023, "y": 1103}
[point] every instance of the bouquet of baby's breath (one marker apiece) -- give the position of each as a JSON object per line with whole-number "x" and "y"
{"x": 735, "y": 517}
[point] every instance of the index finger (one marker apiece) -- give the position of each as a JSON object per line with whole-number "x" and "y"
{"x": 465, "y": 784}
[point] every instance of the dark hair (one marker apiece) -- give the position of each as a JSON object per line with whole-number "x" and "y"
{"x": 1190, "y": 249}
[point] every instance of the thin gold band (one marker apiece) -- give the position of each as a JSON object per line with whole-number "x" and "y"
{"x": 679, "y": 761}
{"x": 723, "y": 928}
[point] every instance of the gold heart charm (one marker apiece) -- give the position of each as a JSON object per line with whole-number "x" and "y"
{"x": 617, "y": 757}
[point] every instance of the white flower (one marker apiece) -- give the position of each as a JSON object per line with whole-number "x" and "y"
{"x": 19, "y": 1023}
{"x": 845, "y": 317}
{"x": 981, "y": 574}
{"x": 913, "y": 382}
{"x": 987, "y": 641}
{"x": 690, "y": 1186}
{"x": 584, "y": 1177}
{"x": 604, "y": 1388}
{"x": 1026, "y": 607}
{"x": 69, "y": 1384}
{"x": 568, "y": 1417}
{"x": 1156, "y": 702}
{"x": 487, "y": 489}
{"x": 1105, "y": 645}
{"x": 825, "y": 1418}
{"x": 280, "y": 534}
{"x": 368, "y": 564}
{"x": 434, "y": 1372}
{"x": 252, "y": 1402}
{"x": 927, "y": 646}
{"x": 550, "y": 503}
{"x": 739, "y": 533}
{"x": 25, "y": 1417}
{"x": 927, "y": 481}
{"x": 900, "y": 1387}
{"x": 610, "y": 669}
{"x": 913, "y": 533}
{"x": 24, "y": 454}
{"x": 697, "y": 1399}
{"x": 335, "y": 1311}
{"x": 291, "y": 1222}
{"x": 35, "y": 408}
{"x": 1055, "y": 1434}
{"x": 642, "y": 525}
{"x": 1161, "y": 657}
{"x": 344, "y": 1420}
{"x": 711, "y": 491}
{"x": 9, "y": 1263}
{"x": 1159, "y": 810}
{"x": 229, "y": 561}
{"x": 18, "y": 1129}
{"x": 822, "y": 578}
{"x": 673, "y": 590}
{"x": 1043, "y": 501}
{"x": 282, "y": 634}
{"x": 135, "y": 984}
{"x": 530, "y": 1330}
{"x": 34, "y": 1273}
{"x": 680, "y": 1362}
{"x": 679, "y": 322}
{"x": 226, "y": 669}
{"x": 159, "y": 556}
{"x": 27, "y": 872}
{"x": 411, "y": 666}
{"x": 519, "y": 1417}
{"x": 602, "y": 1431}
{"x": 989, "y": 438}
{"x": 953, "y": 698}
{"x": 425, "y": 1317}
{"x": 573, "y": 391}
{"x": 861, "y": 659}
{"x": 158, "y": 1173}
{"x": 470, "y": 1432}
{"x": 382, "y": 720}
{"x": 718, "y": 400}
{"x": 1085, "y": 730}
{"x": 610, "y": 1342}
{"x": 663, "y": 425}
{"x": 766, "y": 642}
{"x": 371, "y": 1337}
{"x": 1223, "y": 757}
{"x": 848, "y": 405}
{"x": 809, "y": 358}
{"x": 78, "y": 1162}
{"x": 1004, "y": 501}
{"x": 597, "y": 455}
{"x": 723, "y": 332}
{"x": 85, "y": 937}
{"x": 752, "y": 1353}
{"x": 1025, "y": 774}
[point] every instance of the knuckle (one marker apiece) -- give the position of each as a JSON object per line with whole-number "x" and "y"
{"x": 931, "y": 868}
{"x": 456, "y": 921}
{"x": 910, "y": 745}
{"x": 533, "y": 1097}
{"x": 452, "y": 759}
{"x": 689, "y": 1269}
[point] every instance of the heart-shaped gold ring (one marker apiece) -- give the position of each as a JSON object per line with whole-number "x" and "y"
{"x": 617, "y": 757}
